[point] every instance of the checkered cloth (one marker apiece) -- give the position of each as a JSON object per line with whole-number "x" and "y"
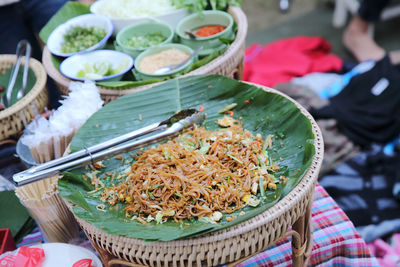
{"x": 336, "y": 242}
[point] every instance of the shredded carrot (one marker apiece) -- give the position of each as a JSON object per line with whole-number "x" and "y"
{"x": 247, "y": 101}
{"x": 201, "y": 108}
{"x": 214, "y": 147}
{"x": 230, "y": 112}
{"x": 258, "y": 144}
{"x": 96, "y": 165}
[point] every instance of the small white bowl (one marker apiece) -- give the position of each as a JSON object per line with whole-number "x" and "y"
{"x": 56, "y": 38}
{"x": 72, "y": 65}
{"x": 171, "y": 18}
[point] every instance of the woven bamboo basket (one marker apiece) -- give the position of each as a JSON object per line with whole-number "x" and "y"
{"x": 13, "y": 119}
{"x": 231, "y": 244}
{"x": 228, "y": 64}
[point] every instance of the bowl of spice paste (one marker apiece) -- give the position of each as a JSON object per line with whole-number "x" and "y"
{"x": 208, "y": 29}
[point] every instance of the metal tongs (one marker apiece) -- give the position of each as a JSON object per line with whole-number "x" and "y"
{"x": 169, "y": 127}
{"x": 23, "y": 46}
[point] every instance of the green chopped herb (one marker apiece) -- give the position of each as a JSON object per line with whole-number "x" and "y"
{"x": 234, "y": 158}
{"x": 145, "y": 41}
{"x": 280, "y": 135}
{"x": 158, "y": 186}
{"x": 178, "y": 194}
{"x": 80, "y": 38}
{"x": 151, "y": 195}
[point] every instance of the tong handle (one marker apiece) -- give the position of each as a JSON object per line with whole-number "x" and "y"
{"x": 22, "y": 45}
{"x": 93, "y": 149}
{"x": 27, "y": 177}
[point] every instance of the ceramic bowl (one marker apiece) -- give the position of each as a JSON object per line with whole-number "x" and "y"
{"x": 141, "y": 29}
{"x": 198, "y": 20}
{"x": 56, "y": 38}
{"x": 171, "y": 18}
{"x": 72, "y": 65}
{"x": 140, "y": 75}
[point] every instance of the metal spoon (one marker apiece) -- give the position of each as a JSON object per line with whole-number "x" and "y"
{"x": 190, "y": 34}
{"x": 172, "y": 67}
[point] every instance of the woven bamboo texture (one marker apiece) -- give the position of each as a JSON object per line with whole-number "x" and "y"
{"x": 228, "y": 64}
{"x": 12, "y": 119}
{"x": 228, "y": 245}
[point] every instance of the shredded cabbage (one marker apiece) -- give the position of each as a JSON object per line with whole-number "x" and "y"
{"x": 125, "y": 9}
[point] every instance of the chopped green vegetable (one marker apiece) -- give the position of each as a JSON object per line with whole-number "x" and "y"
{"x": 280, "y": 135}
{"x": 100, "y": 69}
{"x": 151, "y": 195}
{"x": 145, "y": 41}
{"x": 227, "y": 108}
{"x": 261, "y": 184}
{"x": 161, "y": 214}
{"x": 234, "y": 158}
{"x": 178, "y": 194}
{"x": 204, "y": 147}
{"x": 80, "y": 38}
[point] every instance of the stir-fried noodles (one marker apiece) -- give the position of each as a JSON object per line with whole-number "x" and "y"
{"x": 199, "y": 174}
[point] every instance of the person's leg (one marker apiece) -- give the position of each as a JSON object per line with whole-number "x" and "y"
{"x": 356, "y": 37}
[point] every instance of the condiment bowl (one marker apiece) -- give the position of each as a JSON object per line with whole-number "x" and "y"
{"x": 205, "y": 18}
{"x": 141, "y": 75}
{"x": 71, "y": 66}
{"x": 172, "y": 18}
{"x": 141, "y": 29}
{"x": 56, "y": 38}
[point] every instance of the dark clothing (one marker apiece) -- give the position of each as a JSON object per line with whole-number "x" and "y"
{"x": 370, "y": 10}
{"x": 24, "y": 20}
{"x": 368, "y": 108}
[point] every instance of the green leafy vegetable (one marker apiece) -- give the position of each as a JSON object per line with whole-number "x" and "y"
{"x": 200, "y": 5}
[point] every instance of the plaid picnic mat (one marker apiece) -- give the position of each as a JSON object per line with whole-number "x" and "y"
{"x": 336, "y": 242}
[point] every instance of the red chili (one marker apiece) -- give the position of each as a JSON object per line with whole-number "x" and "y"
{"x": 209, "y": 30}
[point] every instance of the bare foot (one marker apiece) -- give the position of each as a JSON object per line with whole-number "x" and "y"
{"x": 395, "y": 57}
{"x": 358, "y": 41}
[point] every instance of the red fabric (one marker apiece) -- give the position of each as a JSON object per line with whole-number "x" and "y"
{"x": 284, "y": 59}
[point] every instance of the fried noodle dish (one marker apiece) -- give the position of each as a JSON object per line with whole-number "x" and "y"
{"x": 200, "y": 174}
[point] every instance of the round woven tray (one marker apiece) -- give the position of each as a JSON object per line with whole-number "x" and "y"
{"x": 227, "y": 245}
{"x": 228, "y": 64}
{"x": 12, "y": 119}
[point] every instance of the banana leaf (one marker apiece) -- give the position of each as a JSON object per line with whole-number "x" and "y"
{"x": 261, "y": 112}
